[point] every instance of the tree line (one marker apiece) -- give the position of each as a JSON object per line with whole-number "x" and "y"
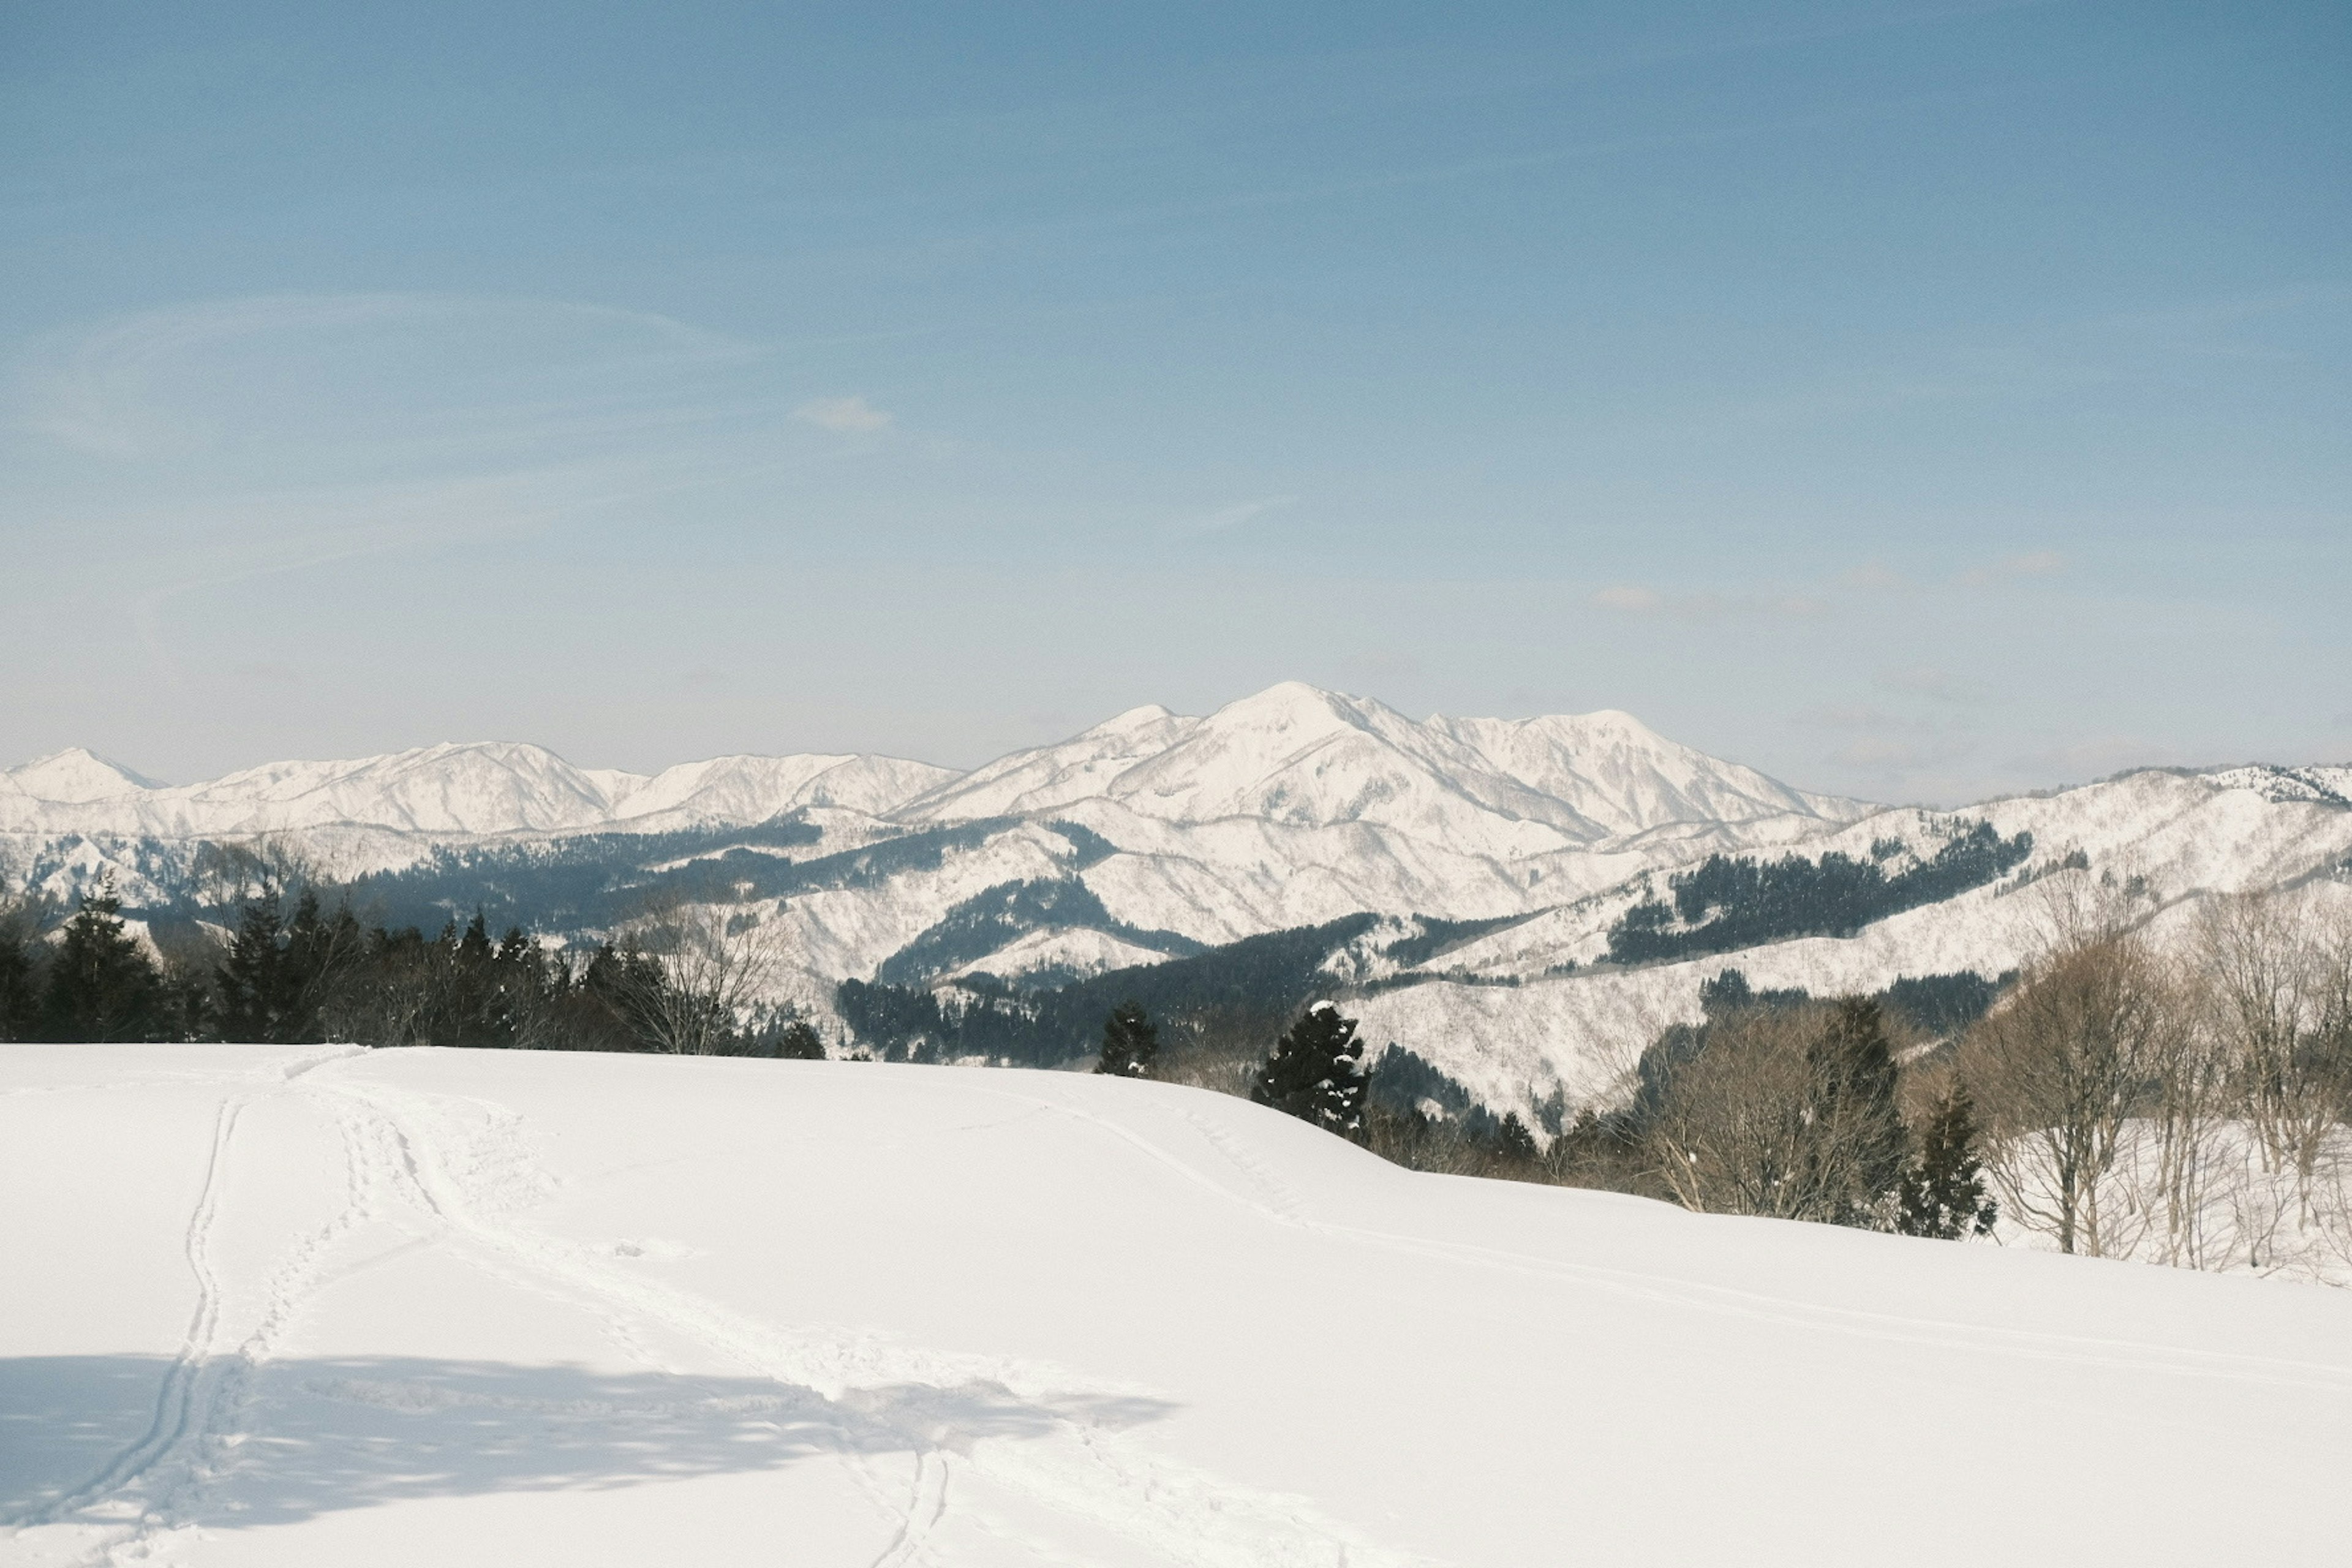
{"x": 1729, "y": 903}
{"x": 294, "y": 972}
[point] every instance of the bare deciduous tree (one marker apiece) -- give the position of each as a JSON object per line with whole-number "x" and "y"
{"x": 720, "y": 967}
{"x": 2060, "y": 1070}
{"x": 2278, "y": 982}
{"x": 1786, "y": 1112}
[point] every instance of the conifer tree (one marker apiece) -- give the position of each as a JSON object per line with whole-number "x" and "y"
{"x": 800, "y": 1042}
{"x": 101, "y": 984}
{"x": 1317, "y": 1073}
{"x": 1513, "y": 1142}
{"x": 319, "y": 949}
{"x": 1943, "y": 1193}
{"x": 1130, "y": 1042}
{"x": 249, "y": 975}
{"x": 20, "y": 997}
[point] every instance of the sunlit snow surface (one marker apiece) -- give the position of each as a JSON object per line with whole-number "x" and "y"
{"x": 310, "y": 1306}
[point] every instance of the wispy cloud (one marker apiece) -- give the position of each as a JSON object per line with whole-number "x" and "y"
{"x": 851, "y": 416}
{"x": 386, "y": 369}
{"x": 1227, "y": 518}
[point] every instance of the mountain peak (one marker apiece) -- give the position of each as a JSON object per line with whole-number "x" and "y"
{"x": 1142, "y": 718}
{"x": 75, "y": 776}
{"x": 1297, "y": 754}
{"x": 1289, "y": 703}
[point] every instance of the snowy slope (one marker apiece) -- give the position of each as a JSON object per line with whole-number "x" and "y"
{"x": 1627, "y": 778}
{"x": 299, "y": 1307}
{"x": 2182, "y": 836}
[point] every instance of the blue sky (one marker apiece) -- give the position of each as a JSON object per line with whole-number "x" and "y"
{"x": 1915, "y": 401}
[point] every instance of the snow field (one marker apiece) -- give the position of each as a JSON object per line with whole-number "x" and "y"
{"x": 314, "y": 1305}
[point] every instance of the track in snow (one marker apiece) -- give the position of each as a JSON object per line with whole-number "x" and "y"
{"x": 909, "y": 1426}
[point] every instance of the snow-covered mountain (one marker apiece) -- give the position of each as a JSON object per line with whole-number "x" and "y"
{"x": 1291, "y": 755}
{"x": 1299, "y": 757}
{"x": 1535, "y": 1006}
{"x": 478, "y": 790}
{"x": 1155, "y": 836}
{"x": 1291, "y": 806}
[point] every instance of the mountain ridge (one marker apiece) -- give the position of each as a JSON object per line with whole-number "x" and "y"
{"x": 1292, "y": 753}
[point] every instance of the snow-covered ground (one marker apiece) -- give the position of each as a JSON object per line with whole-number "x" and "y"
{"x": 313, "y": 1306}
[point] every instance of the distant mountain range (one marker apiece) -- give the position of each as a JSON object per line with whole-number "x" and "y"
{"x": 1471, "y": 878}
{"x": 1292, "y": 754}
{"x": 481, "y": 790}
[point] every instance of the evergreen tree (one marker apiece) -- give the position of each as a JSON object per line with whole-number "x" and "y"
{"x": 1943, "y": 1191}
{"x": 1513, "y": 1142}
{"x": 514, "y": 982}
{"x": 800, "y": 1042}
{"x": 319, "y": 949}
{"x": 250, "y": 976}
{"x": 1130, "y": 1042}
{"x": 474, "y": 947}
{"x": 20, "y": 995}
{"x": 101, "y": 984}
{"x": 1317, "y": 1073}
{"x": 272, "y": 987}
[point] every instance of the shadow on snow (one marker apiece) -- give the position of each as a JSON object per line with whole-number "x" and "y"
{"x": 321, "y": 1434}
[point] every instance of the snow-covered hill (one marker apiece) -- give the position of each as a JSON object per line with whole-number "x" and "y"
{"x": 318, "y": 1306}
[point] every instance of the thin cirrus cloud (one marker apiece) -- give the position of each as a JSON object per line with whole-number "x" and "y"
{"x": 227, "y": 440}
{"x": 386, "y": 369}
{"x": 1227, "y": 518}
{"x": 851, "y": 416}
